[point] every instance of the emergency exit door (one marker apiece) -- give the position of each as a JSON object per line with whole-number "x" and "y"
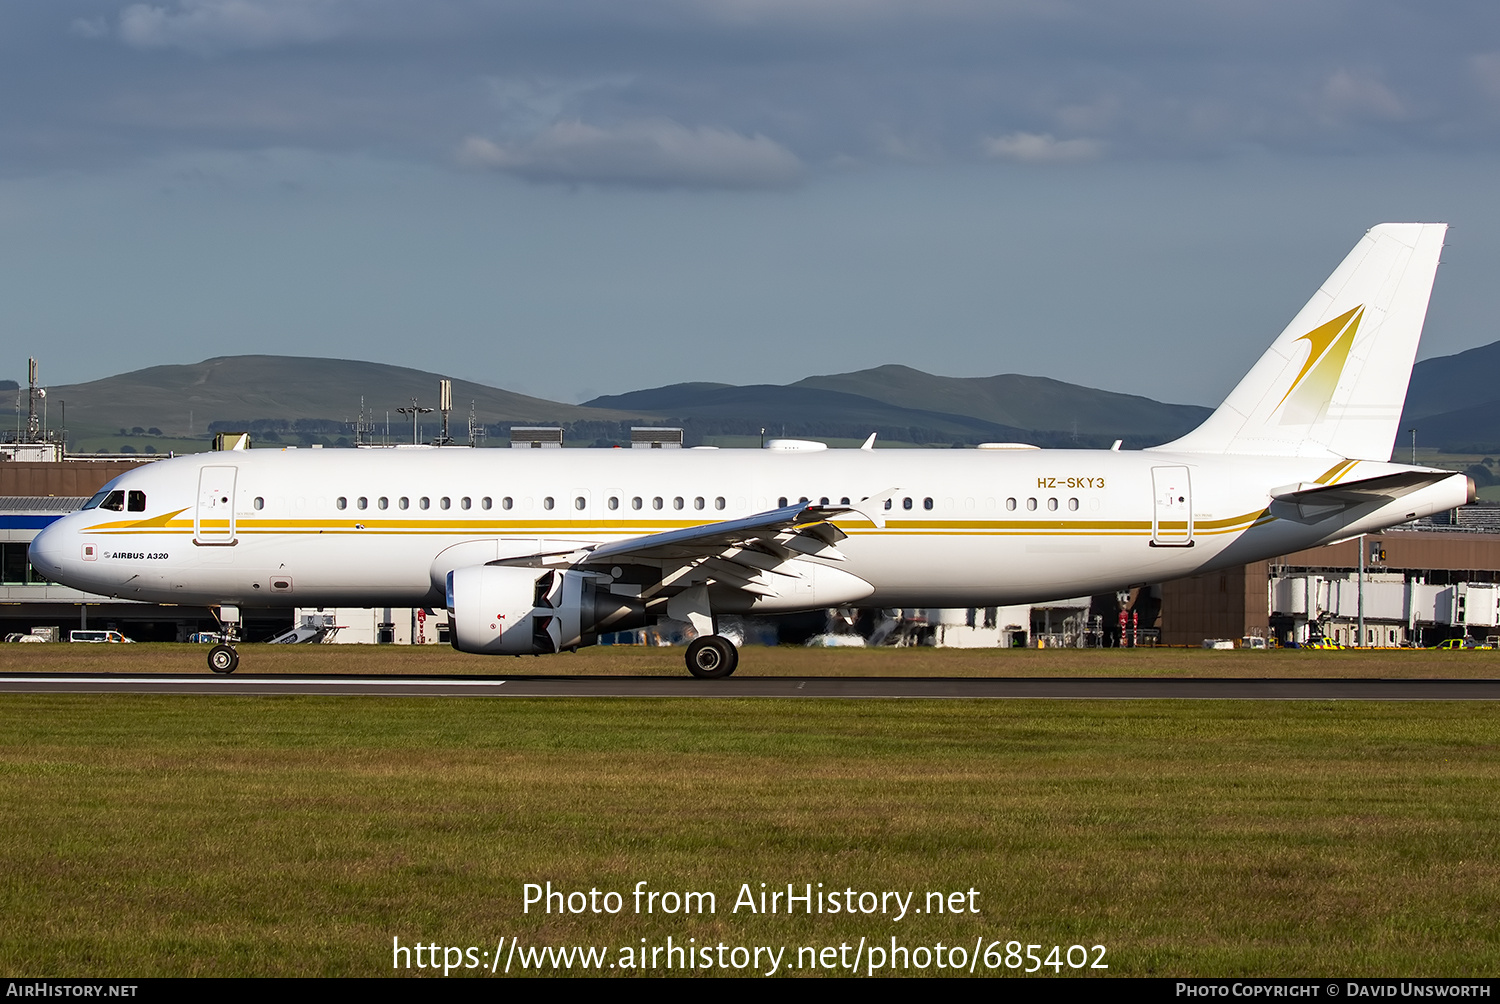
{"x": 1172, "y": 511}
{"x": 213, "y": 519}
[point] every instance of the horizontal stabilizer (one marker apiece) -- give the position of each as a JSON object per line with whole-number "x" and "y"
{"x": 1317, "y": 502}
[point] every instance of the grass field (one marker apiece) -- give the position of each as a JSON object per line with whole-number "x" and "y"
{"x": 298, "y": 836}
{"x": 760, "y": 661}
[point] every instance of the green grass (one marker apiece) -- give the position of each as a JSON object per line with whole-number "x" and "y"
{"x": 297, "y": 836}
{"x": 258, "y": 660}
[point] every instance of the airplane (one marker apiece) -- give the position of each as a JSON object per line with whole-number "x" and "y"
{"x": 541, "y": 551}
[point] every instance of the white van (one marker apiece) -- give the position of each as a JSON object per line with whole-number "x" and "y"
{"x": 99, "y": 637}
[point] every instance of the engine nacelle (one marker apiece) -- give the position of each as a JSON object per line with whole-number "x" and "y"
{"x": 503, "y": 610}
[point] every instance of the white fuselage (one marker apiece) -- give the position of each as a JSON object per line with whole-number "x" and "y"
{"x": 375, "y": 527}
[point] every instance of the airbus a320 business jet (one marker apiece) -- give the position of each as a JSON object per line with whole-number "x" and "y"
{"x": 538, "y": 551}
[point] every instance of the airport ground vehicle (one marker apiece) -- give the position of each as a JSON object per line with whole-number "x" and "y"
{"x": 1461, "y": 644}
{"x": 99, "y": 637}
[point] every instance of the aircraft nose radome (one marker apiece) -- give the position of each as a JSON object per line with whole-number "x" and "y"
{"x": 46, "y": 552}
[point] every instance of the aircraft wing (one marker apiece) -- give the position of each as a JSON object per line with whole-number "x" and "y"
{"x": 801, "y": 528}
{"x": 1314, "y": 503}
{"x": 757, "y": 554}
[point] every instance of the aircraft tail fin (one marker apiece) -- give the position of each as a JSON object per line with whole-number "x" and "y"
{"x": 1334, "y": 383}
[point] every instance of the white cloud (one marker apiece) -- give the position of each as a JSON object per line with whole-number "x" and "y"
{"x": 651, "y": 153}
{"x": 1486, "y": 70}
{"x": 1040, "y": 148}
{"x": 206, "y": 26}
{"x": 89, "y": 27}
{"x": 1350, "y": 95}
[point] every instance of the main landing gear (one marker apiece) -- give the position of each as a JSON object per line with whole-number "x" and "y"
{"x": 223, "y": 659}
{"x": 712, "y": 657}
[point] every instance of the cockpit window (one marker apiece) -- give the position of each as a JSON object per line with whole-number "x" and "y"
{"x": 97, "y": 500}
{"x": 115, "y": 501}
{"x": 136, "y": 501}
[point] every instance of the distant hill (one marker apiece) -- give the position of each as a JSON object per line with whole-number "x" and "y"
{"x": 1454, "y": 402}
{"x": 905, "y": 403}
{"x": 724, "y": 409}
{"x": 9, "y": 385}
{"x": 183, "y": 400}
{"x": 1017, "y": 401}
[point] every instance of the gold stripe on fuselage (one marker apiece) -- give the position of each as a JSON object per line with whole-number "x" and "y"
{"x": 893, "y": 527}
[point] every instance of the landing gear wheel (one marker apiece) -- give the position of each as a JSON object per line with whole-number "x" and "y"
{"x": 712, "y": 657}
{"x": 223, "y": 659}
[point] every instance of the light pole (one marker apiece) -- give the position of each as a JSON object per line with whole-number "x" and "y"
{"x": 1361, "y": 543}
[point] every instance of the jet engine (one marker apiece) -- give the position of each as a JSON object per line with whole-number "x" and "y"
{"x": 504, "y": 610}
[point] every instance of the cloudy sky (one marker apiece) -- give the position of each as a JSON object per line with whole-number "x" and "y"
{"x": 578, "y": 198}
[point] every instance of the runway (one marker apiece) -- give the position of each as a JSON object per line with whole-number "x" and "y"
{"x": 863, "y": 688}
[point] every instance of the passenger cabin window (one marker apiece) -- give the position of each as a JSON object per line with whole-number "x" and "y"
{"x": 719, "y": 502}
{"x": 507, "y": 502}
{"x": 424, "y": 502}
{"x": 656, "y": 502}
{"x": 1010, "y": 504}
{"x": 465, "y": 502}
{"x": 260, "y": 503}
{"x": 383, "y": 502}
{"x": 781, "y": 502}
{"x": 906, "y": 503}
{"x": 579, "y": 503}
{"x": 1052, "y": 504}
{"x": 927, "y": 503}
{"x": 403, "y": 503}
{"x": 1073, "y": 504}
{"x": 677, "y": 502}
{"x": 136, "y": 501}
{"x": 1031, "y": 504}
{"x": 698, "y": 502}
{"x": 444, "y": 502}
{"x": 614, "y": 501}
{"x": 341, "y": 502}
{"x": 635, "y": 503}
{"x": 485, "y": 502}
{"x": 547, "y": 502}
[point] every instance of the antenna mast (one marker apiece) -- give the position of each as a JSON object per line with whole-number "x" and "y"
{"x": 445, "y": 405}
{"x": 476, "y": 428}
{"x": 33, "y": 425}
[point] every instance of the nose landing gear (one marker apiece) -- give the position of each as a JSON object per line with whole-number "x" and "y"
{"x": 223, "y": 659}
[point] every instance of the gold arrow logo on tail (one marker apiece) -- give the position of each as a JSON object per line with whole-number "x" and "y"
{"x": 1308, "y": 398}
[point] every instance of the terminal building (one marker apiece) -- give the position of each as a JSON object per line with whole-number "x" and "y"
{"x": 1423, "y": 583}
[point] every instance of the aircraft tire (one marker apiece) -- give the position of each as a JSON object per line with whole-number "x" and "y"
{"x": 223, "y": 659}
{"x": 712, "y": 657}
